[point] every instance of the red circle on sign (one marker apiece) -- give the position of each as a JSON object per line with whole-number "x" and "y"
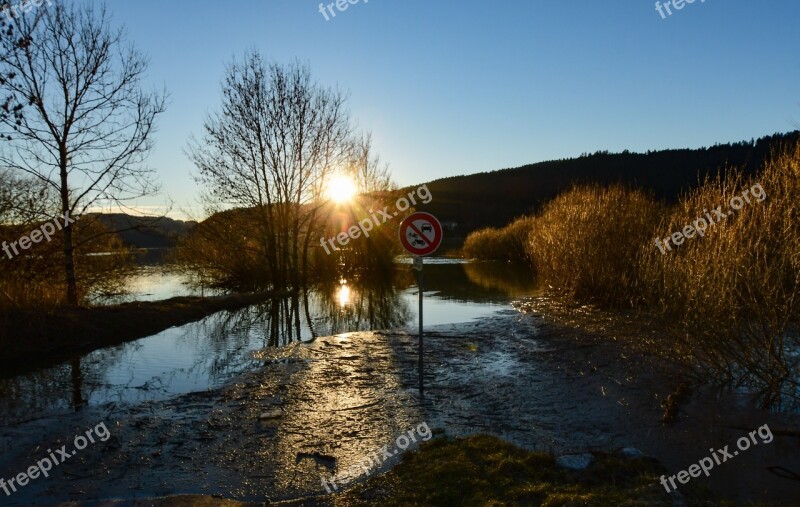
{"x": 421, "y": 233}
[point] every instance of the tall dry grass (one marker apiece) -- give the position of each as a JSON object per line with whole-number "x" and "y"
{"x": 587, "y": 242}
{"x": 507, "y": 243}
{"x": 35, "y": 278}
{"x": 734, "y": 292}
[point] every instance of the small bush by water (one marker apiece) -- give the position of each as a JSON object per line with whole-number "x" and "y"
{"x": 587, "y": 241}
{"x": 507, "y": 243}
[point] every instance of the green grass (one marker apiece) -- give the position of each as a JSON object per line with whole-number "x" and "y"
{"x": 485, "y": 471}
{"x": 488, "y": 472}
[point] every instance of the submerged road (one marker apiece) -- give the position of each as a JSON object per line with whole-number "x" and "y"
{"x": 315, "y": 410}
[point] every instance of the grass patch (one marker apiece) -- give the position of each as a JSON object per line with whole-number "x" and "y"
{"x": 485, "y": 471}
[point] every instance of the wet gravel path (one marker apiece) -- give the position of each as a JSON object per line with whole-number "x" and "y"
{"x": 316, "y": 409}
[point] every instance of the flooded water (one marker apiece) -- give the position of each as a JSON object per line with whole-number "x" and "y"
{"x": 208, "y": 353}
{"x": 155, "y": 279}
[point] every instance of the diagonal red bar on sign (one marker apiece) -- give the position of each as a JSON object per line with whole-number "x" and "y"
{"x": 419, "y": 233}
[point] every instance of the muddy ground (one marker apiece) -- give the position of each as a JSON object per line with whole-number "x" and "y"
{"x": 574, "y": 381}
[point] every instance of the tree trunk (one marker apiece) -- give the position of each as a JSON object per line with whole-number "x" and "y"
{"x": 310, "y": 230}
{"x": 69, "y": 267}
{"x": 69, "y": 250}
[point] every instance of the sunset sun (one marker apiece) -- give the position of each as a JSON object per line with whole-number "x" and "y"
{"x": 341, "y": 189}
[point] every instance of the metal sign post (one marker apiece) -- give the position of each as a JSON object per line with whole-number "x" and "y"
{"x": 421, "y": 337}
{"x": 420, "y": 234}
{"x": 418, "y": 263}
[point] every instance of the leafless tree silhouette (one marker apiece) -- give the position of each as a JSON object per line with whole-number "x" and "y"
{"x": 87, "y": 125}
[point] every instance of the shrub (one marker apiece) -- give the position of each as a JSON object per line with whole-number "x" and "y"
{"x": 226, "y": 250}
{"x": 507, "y": 243}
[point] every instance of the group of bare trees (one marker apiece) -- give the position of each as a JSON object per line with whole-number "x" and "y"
{"x": 77, "y": 126}
{"x": 272, "y": 148}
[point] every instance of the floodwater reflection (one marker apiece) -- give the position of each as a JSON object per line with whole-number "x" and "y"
{"x": 208, "y": 353}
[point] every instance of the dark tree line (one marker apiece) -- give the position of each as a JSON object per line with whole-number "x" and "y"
{"x": 493, "y": 199}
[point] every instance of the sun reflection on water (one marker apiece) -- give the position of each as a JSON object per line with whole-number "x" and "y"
{"x": 343, "y": 294}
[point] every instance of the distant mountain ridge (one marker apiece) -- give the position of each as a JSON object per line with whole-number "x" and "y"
{"x": 495, "y": 198}
{"x": 146, "y": 232}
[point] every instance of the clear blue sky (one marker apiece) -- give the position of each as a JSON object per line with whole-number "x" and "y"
{"x": 456, "y": 87}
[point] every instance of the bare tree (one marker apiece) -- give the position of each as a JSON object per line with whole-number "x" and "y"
{"x": 276, "y": 140}
{"x": 366, "y": 169}
{"x": 88, "y": 125}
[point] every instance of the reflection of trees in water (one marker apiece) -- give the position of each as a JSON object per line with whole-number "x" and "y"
{"x": 359, "y": 305}
{"x": 484, "y": 282}
{"x": 277, "y": 320}
{"x": 219, "y": 352}
{"x": 68, "y": 385}
{"x": 328, "y": 308}
{"x": 511, "y": 279}
{"x": 30, "y": 394}
{"x": 220, "y": 347}
{"x": 76, "y": 382}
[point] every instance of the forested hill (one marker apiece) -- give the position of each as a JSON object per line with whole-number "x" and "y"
{"x": 146, "y": 232}
{"x": 495, "y": 198}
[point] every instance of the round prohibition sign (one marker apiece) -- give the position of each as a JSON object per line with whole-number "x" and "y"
{"x": 421, "y": 233}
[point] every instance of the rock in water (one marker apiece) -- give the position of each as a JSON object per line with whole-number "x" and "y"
{"x": 271, "y": 414}
{"x": 632, "y": 452}
{"x": 575, "y": 461}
